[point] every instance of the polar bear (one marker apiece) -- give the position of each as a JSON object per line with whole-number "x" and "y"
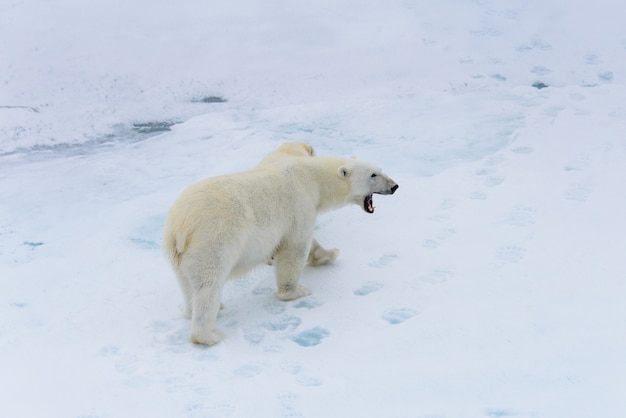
{"x": 288, "y": 149}
{"x": 318, "y": 255}
{"x": 222, "y": 227}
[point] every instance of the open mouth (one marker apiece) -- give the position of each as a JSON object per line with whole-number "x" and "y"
{"x": 368, "y": 204}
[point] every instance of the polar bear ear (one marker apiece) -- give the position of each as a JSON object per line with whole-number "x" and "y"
{"x": 343, "y": 172}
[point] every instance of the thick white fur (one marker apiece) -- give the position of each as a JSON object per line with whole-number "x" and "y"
{"x": 223, "y": 226}
{"x": 318, "y": 255}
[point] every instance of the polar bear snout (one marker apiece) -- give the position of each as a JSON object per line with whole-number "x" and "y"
{"x": 391, "y": 190}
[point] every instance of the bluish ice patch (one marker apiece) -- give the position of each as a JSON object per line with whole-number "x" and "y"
{"x": 606, "y": 76}
{"x": 311, "y": 337}
{"x": 522, "y": 150}
{"x": 308, "y": 303}
{"x": 283, "y": 323}
{"x": 368, "y": 288}
{"x": 148, "y": 235}
{"x": 145, "y": 244}
{"x": 397, "y": 316}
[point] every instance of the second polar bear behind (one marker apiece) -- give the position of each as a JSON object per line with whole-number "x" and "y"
{"x": 222, "y": 227}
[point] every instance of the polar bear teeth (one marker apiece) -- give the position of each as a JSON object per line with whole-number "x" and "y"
{"x": 368, "y": 204}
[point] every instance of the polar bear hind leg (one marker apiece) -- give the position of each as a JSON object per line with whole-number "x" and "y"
{"x": 205, "y": 278}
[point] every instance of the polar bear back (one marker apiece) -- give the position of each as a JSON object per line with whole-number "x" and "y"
{"x": 248, "y": 214}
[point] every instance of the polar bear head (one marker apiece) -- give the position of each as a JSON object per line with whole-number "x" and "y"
{"x": 365, "y": 180}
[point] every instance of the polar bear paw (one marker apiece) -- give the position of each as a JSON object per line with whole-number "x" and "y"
{"x": 210, "y": 337}
{"x": 322, "y": 256}
{"x": 292, "y": 293}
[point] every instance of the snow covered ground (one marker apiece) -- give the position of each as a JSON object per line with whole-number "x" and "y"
{"x": 492, "y": 284}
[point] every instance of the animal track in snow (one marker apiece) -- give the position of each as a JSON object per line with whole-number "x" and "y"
{"x": 283, "y": 323}
{"x": 430, "y": 243}
{"x": 248, "y": 370}
{"x": 311, "y": 337}
{"x": 437, "y": 276}
{"x": 383, "y": 260}
{"x": 494, "y": 181}
{"x": 308, "y": 303}
{"x": 439, "y": 238}
{"x": 521, "y": 216}
{"x": 368, "y": 288}
{"x": 397, "y": 316}
{"x": 510, "y": 253}
{"x": 578, "y": 164}
{"x": 578, "y": 192}
{"x": 478, "y": 195}
{"x": 483, "y": 172}
{"x": 254, "y": 335}
{"x": 309, "y": 381}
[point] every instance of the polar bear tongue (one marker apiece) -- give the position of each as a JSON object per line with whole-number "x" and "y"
{"x": 368, "y": 204}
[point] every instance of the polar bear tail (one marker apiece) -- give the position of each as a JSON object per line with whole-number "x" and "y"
{"x": 174, "y": 245}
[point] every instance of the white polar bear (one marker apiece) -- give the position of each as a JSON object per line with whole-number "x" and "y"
{"x": 318, "y": 255}
{"x": 223, "y": 226}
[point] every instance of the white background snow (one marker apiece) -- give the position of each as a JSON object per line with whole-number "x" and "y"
{"x": 492, "y": 284}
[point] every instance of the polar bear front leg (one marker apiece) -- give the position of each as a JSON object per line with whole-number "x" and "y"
{"x": 319, "y": 255}
{"x": 289, "y": 262}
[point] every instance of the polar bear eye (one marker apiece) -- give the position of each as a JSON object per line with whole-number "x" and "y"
{"x": 373, "y": 175}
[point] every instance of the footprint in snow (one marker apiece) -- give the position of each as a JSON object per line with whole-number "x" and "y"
{"x": 510, "y": 253}
{"x": 397, "y": 316}
{"x": 283, "y": 323}
{"x": 288, "y": 401}
{"x": 521, "y": 216}
{"x": 307, "y": 303}
{"x": 310, "y": 337}
{"x": 248, "y": 370}
{"x": 478, "y": 195}
{"x": 578, "y": 192}
{"x": 494, "y": 181}
{"x": 254, "y": 335}
{"x": 368, "y": 288}
{"x": 437, "y": 276}
{"x": 439, "y": 238}
{"x": 383, "y": 260}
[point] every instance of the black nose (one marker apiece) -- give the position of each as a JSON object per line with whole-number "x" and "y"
{"x": 394, "y": 188}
